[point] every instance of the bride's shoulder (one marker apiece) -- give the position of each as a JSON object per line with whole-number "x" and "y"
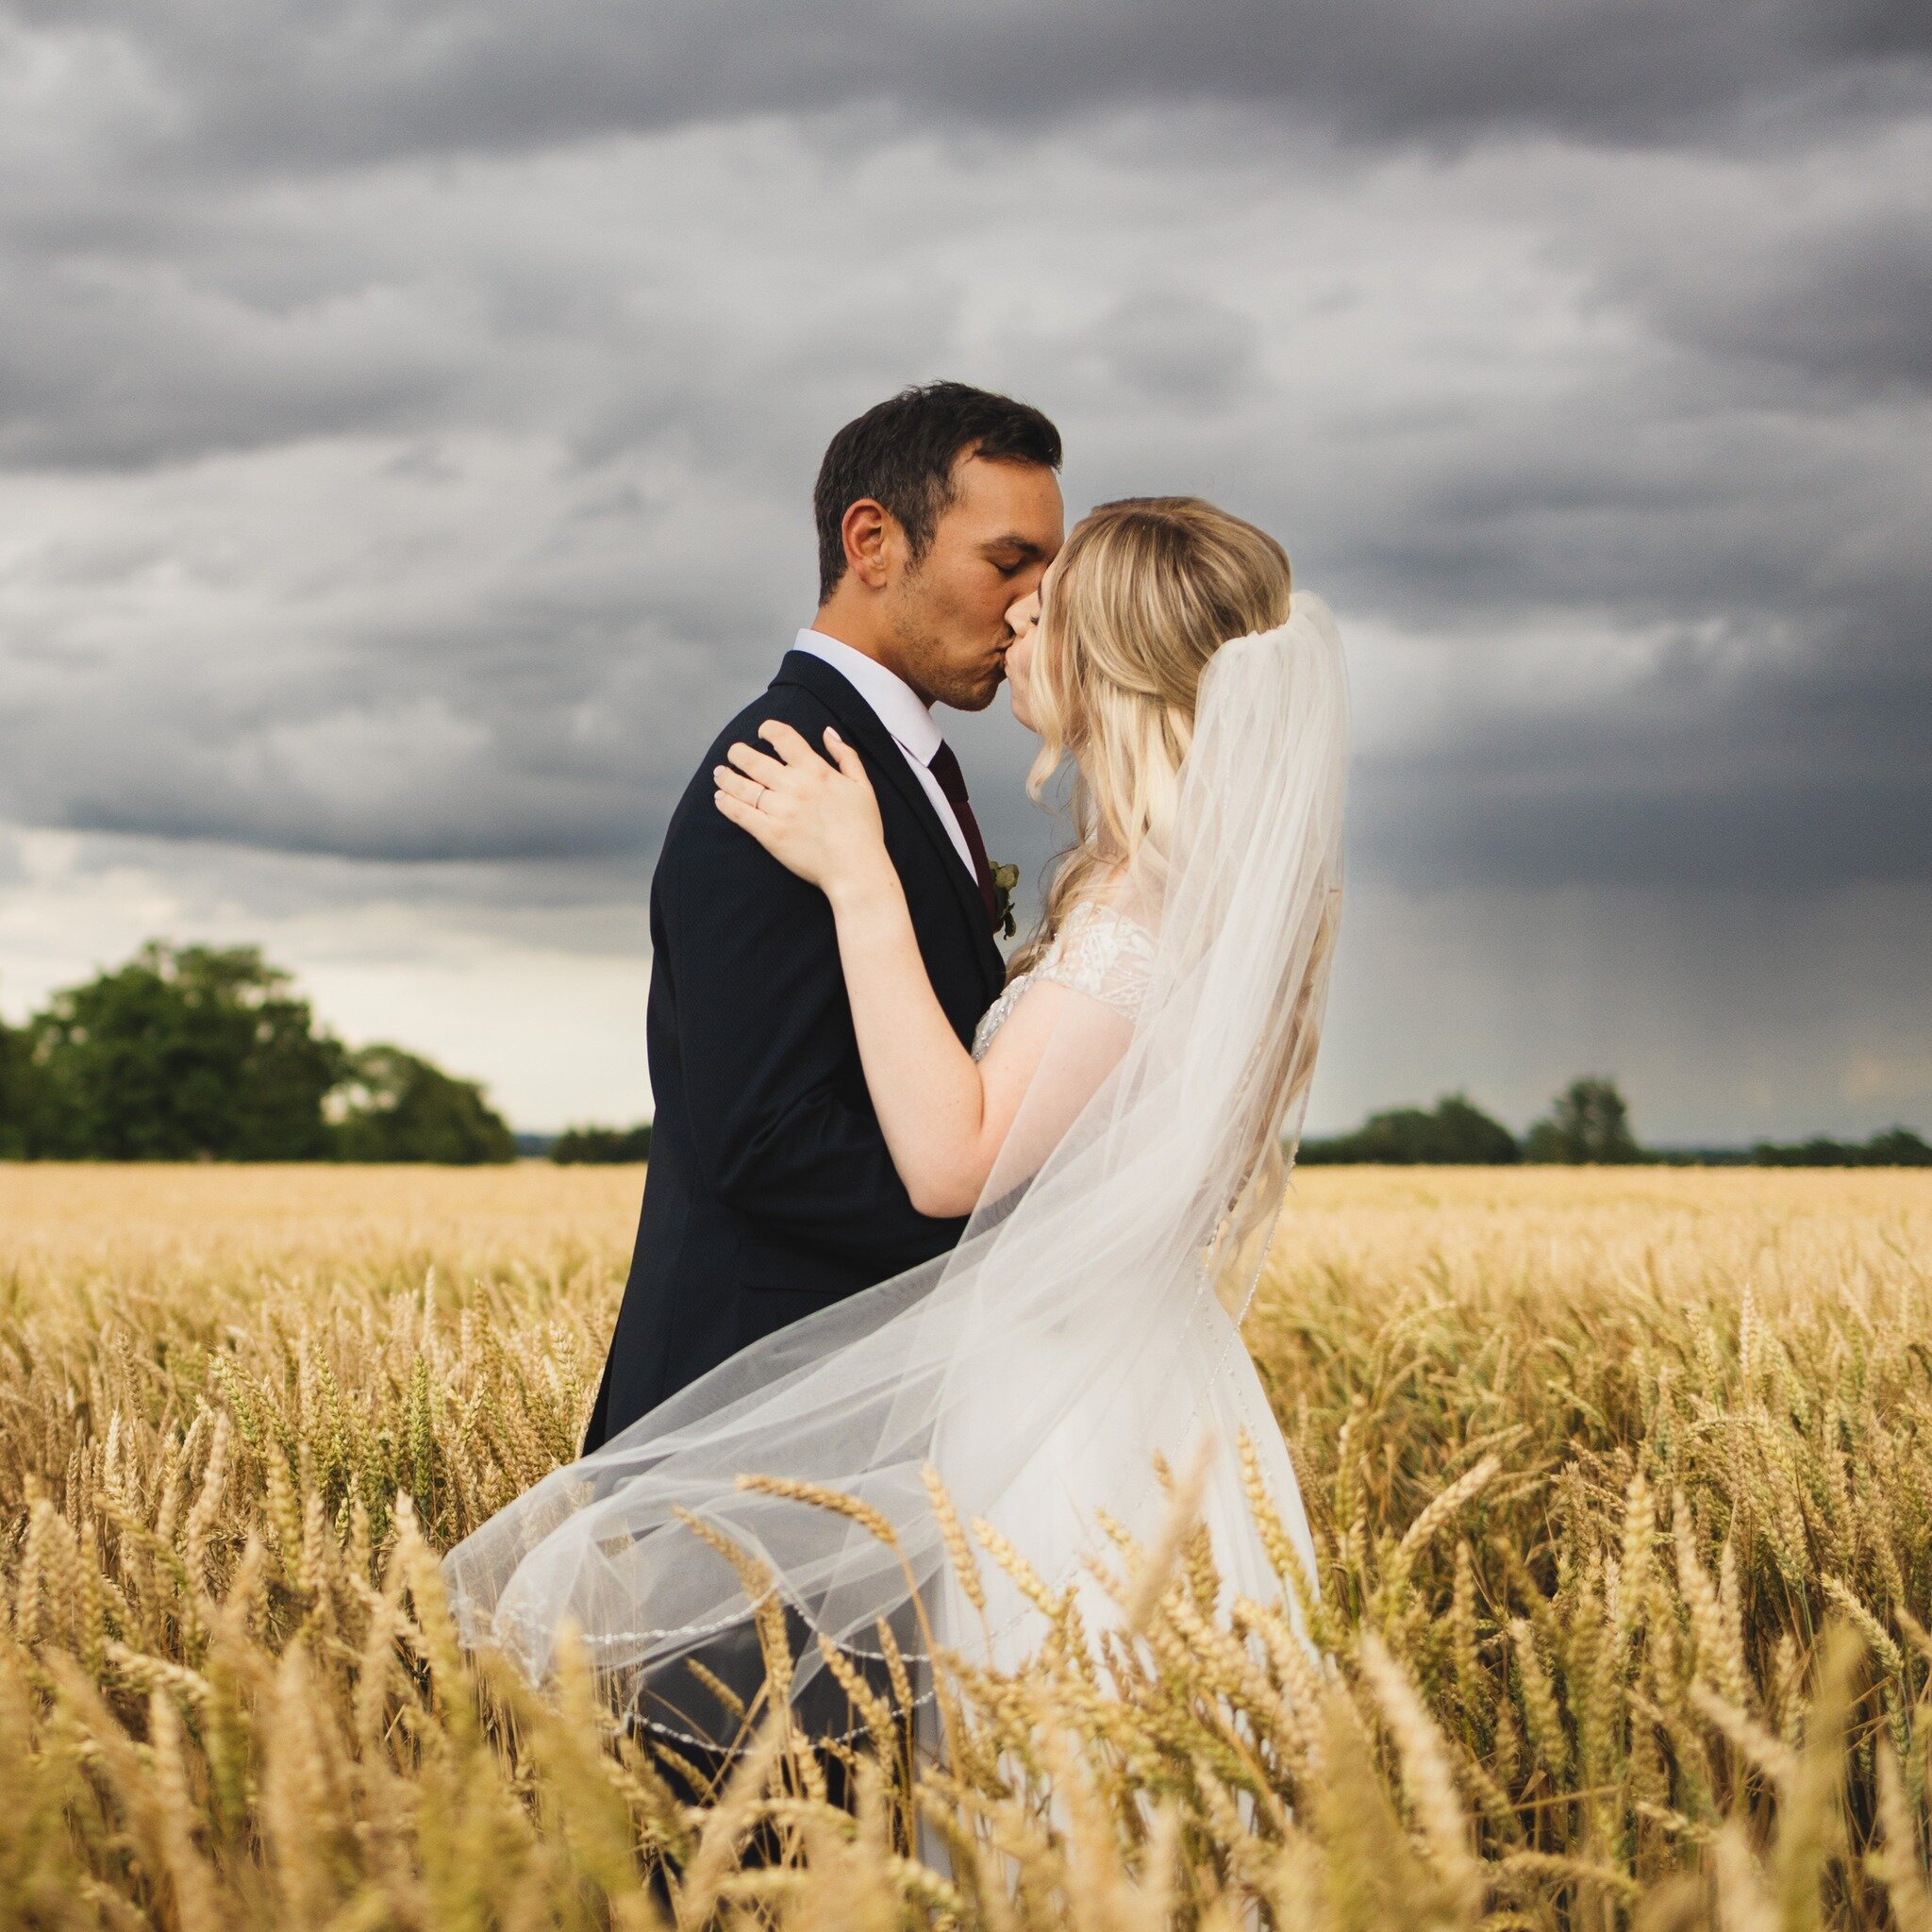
{"x": 1116, "y": 905}
{"x": 1097, "y": 915}
{"x": 1100, "y": 948}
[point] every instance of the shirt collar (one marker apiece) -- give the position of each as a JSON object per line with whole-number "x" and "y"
{"x": 895, "y": 704}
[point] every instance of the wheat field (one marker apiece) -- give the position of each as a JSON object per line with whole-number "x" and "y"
{"x": 1619, "y": 1480}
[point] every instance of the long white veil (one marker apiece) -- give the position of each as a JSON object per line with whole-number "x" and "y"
{"x": 1074, "y": 1333}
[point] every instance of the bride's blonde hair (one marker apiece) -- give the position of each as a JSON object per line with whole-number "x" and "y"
{"x": 1144, "y": 593}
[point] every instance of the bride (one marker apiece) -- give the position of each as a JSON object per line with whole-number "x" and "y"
{"x": 1120, "y": 1131}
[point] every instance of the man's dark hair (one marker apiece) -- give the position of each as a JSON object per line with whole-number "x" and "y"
{"x": 901, "y": 454}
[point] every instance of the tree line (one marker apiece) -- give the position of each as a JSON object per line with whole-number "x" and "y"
{"x": 1588, "y": 1125}
{"x": 602, "y": 1146}
{"x": 206, "y": 1053}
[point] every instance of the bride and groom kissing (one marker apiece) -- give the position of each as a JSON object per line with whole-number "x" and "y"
{"x": 923, "y": 1222}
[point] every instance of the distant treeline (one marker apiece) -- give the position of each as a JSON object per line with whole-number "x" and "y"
{"x": 1898, "y": 1147}
{"x": 201, "y": 1052}
{"x": 1588, "y": 1125}
{"x": 602, "y": 1146}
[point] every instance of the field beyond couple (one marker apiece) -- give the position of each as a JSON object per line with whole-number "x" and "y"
{"x": 1619, "y": 1477}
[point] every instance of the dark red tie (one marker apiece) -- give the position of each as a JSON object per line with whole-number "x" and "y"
{"x": 945, "y": 766}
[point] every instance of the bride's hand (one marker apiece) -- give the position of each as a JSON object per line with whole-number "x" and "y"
{"x": 818, "y": 820}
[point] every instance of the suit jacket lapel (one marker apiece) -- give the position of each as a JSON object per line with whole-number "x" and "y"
{"x": 860, "y": 722}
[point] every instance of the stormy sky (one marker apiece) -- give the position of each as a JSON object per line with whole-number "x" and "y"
{"x": 407, "y": 419}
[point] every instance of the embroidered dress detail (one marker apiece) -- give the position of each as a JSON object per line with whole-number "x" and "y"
{"x": 1099, "y": 951}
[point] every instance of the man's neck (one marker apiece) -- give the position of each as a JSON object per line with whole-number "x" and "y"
{"x": 855, "y": 629}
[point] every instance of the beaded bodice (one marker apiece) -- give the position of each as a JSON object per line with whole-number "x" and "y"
{"x": 1099, "y": 951}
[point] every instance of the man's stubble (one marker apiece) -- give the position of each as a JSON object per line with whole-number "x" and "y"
{"x": 925, "y": 664}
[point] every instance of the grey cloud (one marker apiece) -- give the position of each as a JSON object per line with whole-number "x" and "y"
{"x": 588, "y": 903}
{"x": 1777, "y": 737}
{"x": 1176, "y": 348}
{"x": 654, "y": 321}
{"x": 416, "y": 301}
{"x": 535, "y": 733}
{"x": 1853, "y": 307}
{"x": 289, "y": 85}
{"x": 1431, "y": 821}
{"x": 1793, "y": 272}
{"x": 108, "y": 377}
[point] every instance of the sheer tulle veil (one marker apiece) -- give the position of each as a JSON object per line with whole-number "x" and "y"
{"x": 1074, "y": 1333}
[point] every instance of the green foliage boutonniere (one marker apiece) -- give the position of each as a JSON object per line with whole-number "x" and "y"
{"x": 1005, "y": 877}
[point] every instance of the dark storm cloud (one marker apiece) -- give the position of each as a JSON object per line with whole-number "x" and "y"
{"x": 1853, "y": 305}
{"x": 250, "y": 233}
{"x": 541, "y": 731}
{"x": 104, "y": 378}
{"x": 1823, "y": 287}
{"x": 1808, "y": 786}
{"x": 293, "y": 84}
{"x": 1767, "y": 731}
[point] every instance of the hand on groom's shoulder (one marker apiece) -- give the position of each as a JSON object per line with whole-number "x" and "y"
{"x": 700, "y": 839}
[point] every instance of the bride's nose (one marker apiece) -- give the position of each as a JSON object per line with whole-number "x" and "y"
{"x": 1023, "y": 613}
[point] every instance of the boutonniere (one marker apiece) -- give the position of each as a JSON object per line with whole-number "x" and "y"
{"x": 1005, "y": 877}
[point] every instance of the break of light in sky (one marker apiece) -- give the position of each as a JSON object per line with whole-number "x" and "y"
{"x": 408, "y": 420}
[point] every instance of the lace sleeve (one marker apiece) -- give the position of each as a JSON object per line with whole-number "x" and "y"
{"x": 1104, "y": 954}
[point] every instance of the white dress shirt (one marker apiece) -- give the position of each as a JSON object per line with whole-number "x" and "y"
{"x": 904, "y": 714}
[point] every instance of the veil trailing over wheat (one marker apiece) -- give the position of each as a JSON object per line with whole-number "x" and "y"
{"x": 1074, "y": 1334}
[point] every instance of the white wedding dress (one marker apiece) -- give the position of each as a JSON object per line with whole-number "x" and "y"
{"x": 1073, "y": 1335}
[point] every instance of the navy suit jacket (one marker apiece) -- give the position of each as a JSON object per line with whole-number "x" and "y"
{"x": 771, "y": 1194}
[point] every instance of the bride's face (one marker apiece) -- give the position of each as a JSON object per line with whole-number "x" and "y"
{"x": 1023, "y": 620}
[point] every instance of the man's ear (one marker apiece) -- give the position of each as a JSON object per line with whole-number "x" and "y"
{"x": 866, "y": 530}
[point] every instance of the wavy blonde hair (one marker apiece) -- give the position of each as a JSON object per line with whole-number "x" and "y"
{"x": 1143, "y": 593}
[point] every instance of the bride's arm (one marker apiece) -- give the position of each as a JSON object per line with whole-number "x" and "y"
{"x": 944, "y": 1115}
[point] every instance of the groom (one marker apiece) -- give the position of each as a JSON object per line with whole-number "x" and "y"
{"x": 770, "y": 1192}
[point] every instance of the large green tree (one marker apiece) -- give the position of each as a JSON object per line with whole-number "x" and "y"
{"x": 184, "y": 1052}
{"x": 1588, "y": 1125}
{"x": 395, "y": 1106}
{"x": 204, "y": 1053}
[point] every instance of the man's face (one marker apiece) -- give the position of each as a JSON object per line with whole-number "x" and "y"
{"x": 948, "y": 610}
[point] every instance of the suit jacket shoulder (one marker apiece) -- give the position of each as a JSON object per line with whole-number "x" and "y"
{"x": 809, "y": 694}
{"x": 792, "y": 704}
